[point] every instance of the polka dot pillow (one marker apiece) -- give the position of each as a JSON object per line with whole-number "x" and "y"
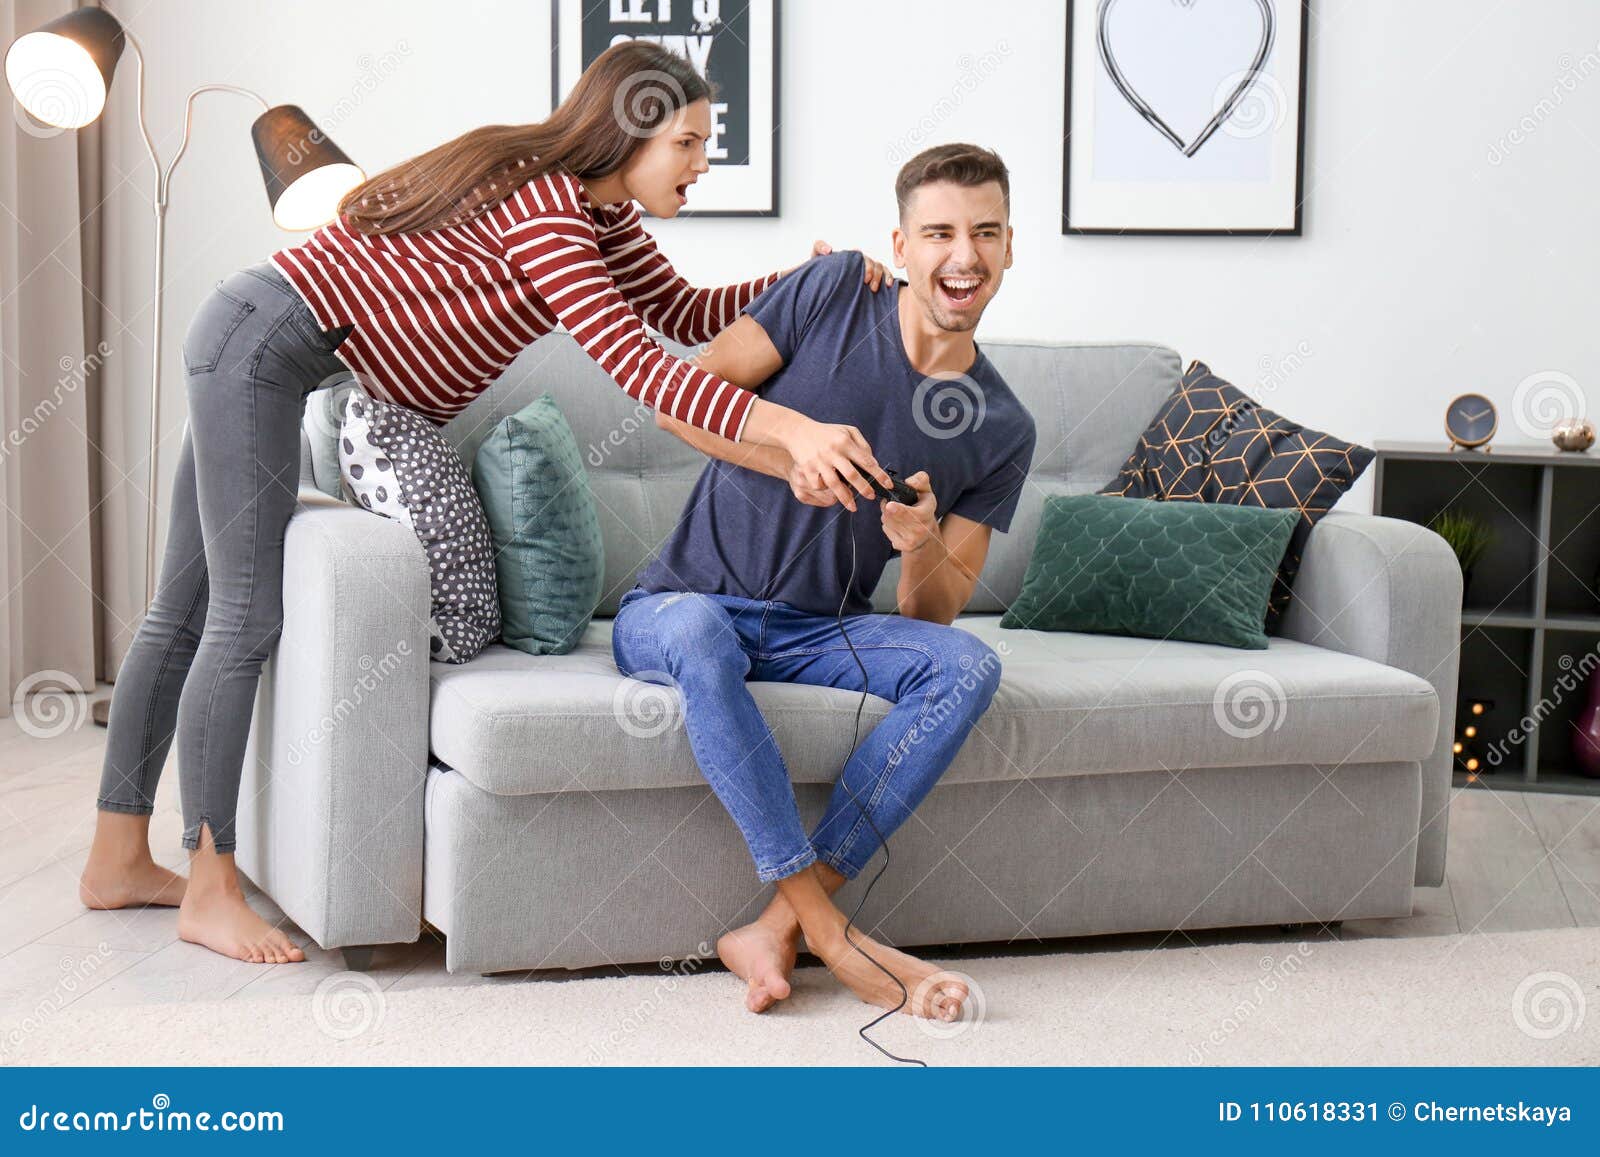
{"x": 393, "y": 461}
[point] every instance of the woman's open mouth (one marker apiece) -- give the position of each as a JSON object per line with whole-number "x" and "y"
{"x": 960, "y": 292}
{"x": 683, "y": 192}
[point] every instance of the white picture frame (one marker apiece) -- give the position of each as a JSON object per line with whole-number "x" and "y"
{"x": 1184, "y": 117}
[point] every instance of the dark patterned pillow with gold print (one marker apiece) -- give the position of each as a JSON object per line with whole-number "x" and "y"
{"x": 1212, "y": 442}
{"x": 1268, "y": 460}
{"x": 1169, "y": 460}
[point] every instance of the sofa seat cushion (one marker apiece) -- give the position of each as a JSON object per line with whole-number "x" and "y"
{"x": 1068, "y": 703}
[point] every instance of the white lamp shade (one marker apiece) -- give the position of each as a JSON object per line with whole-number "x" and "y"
{"x": 313, "y": 199}
{"x": 55, "y": 79}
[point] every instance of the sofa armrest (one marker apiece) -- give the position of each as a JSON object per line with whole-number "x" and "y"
{"x": 331, "y": 808}
{"x": 1390, "y": 591}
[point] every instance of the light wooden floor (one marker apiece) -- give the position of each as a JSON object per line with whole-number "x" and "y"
{"x": 1516, "y": 861}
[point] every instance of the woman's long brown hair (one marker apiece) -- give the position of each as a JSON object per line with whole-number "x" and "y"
{"x": 629, "y": 91}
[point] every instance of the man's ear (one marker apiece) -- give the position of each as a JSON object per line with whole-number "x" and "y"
{"x": 1009, "y": 232}
{"x": 897, "y": 245}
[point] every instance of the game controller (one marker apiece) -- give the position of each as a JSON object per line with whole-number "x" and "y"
{"x": 900, "y": 492}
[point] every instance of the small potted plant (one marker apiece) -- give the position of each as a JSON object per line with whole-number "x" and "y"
{"x": 1468, "y": 535}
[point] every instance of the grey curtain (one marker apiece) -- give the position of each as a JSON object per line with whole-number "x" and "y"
{"x": 53, "y": 619}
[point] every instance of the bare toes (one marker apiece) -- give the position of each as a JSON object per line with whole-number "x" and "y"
{"x": 286, "y": 950}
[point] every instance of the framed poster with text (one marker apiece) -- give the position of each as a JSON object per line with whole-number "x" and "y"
{"x": 1184, "y": 117}
{"x": 734, "y": 45}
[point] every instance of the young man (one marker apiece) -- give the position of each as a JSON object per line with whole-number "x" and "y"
{"x": 751, "y": 582}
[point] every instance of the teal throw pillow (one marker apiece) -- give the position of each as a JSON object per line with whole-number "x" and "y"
{"x": 549, "y": 558}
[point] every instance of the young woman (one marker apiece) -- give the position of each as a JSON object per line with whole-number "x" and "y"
{"x": 433, "y": 277}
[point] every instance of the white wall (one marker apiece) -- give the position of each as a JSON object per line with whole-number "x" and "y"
{"x": 1426, "y": 268}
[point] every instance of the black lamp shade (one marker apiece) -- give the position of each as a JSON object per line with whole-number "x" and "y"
{"x": 53, "y": 92}
{"x": 305, "y": 173}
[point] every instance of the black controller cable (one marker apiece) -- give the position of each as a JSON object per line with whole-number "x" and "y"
{"x": 883, "y": 842}
{"x": 854, "y": 740}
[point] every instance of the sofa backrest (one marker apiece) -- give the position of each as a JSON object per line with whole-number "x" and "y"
{"x": 1089, "y": 402}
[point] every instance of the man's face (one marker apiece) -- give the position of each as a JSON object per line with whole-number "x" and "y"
{"x": 954, "y": 243}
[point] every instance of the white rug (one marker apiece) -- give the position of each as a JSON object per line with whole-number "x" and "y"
{"x": 1513, "y": 998}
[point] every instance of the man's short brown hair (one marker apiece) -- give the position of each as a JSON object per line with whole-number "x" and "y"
{"x": 960, "y": 164}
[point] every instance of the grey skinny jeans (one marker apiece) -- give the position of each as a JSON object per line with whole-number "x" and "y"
{"x": 251, "y": 354}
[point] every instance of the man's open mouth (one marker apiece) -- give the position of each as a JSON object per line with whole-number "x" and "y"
{"x": 959, "y": 291}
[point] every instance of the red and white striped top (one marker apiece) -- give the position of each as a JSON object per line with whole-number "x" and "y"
{"x": 438, "y": 314}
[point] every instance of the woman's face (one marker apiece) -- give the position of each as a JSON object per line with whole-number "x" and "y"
{"x": 659, "y": 173}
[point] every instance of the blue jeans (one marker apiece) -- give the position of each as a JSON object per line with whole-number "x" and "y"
{"x": 940, "y": 680}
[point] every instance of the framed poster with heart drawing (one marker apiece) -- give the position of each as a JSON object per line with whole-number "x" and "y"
{"x": 1184, "y": 117}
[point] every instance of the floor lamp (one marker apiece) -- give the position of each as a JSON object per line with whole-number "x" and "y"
{"x": 61, "y": 74}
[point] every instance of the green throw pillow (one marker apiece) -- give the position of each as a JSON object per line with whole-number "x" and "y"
{"x": 549, "y": 558}
{"x": 1164, "y": 570}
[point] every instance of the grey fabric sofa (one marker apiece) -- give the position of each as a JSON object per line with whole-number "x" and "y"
{"x": 546, "y": 812}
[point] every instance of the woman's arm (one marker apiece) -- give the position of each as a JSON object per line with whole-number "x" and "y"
{"x": 554, "y": 245}
{"x": 771, "y": 460}
{"x": 672, "y": 306}
{"x": 663, "y": 299}
{"x": 744, "y": 355}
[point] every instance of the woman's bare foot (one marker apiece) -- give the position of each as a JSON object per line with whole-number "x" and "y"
{"x": 120, "y": 872}
{"x": 221, "y": 920}
{"x": 134, "y": 885}
{"x": 763, "y": 958}
{"x": 925, "y": 996}
{"x": 214, "y": 913}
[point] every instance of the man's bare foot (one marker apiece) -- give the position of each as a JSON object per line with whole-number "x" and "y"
{"x": 135, "y": 885}
{"x": 763, "y": 958}
{"x": 219, "y": 919}
{"x": 925, "y": 995}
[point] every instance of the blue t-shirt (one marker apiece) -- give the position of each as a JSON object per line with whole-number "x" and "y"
{"x": 744, "y": 533}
